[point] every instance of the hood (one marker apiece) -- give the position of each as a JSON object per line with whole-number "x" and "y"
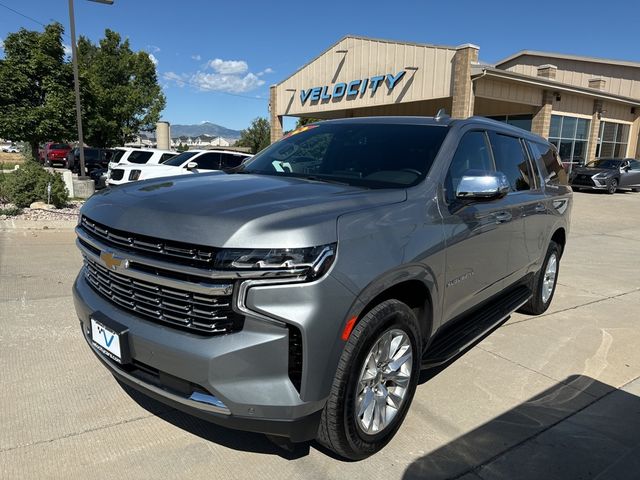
{"x": 234, "y": 211}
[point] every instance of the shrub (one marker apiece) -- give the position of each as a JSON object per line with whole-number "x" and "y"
{"x": 29, "y": 184}
{"x": 10, "y": 211}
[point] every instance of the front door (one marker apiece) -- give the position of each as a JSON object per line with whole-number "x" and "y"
{"x": 630, "y": 178}
{"x": 475, "y": 232}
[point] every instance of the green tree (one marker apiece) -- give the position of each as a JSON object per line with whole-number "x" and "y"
{"x": 36, "y": 88}
{"x": 257, "y": 137}
{"x": 302, "y": 121}
{"x": 120, "y": 91}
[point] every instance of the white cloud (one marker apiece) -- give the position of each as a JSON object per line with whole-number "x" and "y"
{"x": 265, "y": 71}
{"x": 196, "y": 57}
{"x": 67, "y": 49}
{"x": 153, "y": 59}
{"x": 152, "y": 48}
{"x": 231, "y": 76}
{"x": 179, "y": 80}
{"x": 1, "y": 44}
{"x": 228, "y": 67}
{"x": 225, "y": 83}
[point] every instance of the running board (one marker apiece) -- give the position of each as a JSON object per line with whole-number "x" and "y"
{"x": 453, "y": 340}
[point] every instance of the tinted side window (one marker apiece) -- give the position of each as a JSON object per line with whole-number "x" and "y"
{"x": 550, "y": 165}
{"x": 231, "y": 161}
{"x": 166, "y": 156}
{"x": 208, "y": 161}
{"x": 472, "y": 154}
{"x": 634, "y": 164}
{"x": 138, "y": 156}
{"x": 511, "y": 160}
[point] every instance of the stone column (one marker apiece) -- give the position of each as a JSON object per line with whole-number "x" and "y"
{"x": 275, "y": 119}
{"x": 541, "y": 122}
{"x": 463, "y": 96}
{"x": 594, "y": 130}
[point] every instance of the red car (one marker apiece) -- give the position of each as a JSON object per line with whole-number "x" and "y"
{"x": 54, "y": 154}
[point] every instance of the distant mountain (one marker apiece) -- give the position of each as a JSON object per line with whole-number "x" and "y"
{"x": 205, "y": 128}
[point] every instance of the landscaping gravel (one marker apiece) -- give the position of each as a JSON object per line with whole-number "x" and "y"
{"x": 69, "y": 213}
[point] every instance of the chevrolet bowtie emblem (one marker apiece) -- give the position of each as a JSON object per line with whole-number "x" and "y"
{"x": 111, "y": 261}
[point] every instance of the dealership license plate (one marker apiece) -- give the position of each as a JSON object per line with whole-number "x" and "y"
{"x": 106, "y": 340}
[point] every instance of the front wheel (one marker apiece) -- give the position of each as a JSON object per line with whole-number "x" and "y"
{"x": 374, "y": 383}
{"x": 544, "y": 284}
{"x": 612, "y": 187}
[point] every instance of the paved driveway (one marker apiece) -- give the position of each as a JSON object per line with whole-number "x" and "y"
{"x": 555, "y": 396}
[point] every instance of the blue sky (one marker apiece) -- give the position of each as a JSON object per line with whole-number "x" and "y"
{"x": 216, "y": 60}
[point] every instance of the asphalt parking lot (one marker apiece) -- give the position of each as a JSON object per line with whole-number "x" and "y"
{"x": 554, "y": 396}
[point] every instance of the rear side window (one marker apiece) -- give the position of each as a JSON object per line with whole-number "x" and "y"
{"x": 511, "y": 159}
{"x": 231, "y": 161}
{"x": 550, "y": 165}
{"x": 166, "y": 156}
{"x": 472, "y": 154}
{"x": 138, "y": 156}
{"x": 208, "y": 161}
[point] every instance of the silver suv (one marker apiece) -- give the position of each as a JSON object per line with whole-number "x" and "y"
{"x": 301, "y": 294}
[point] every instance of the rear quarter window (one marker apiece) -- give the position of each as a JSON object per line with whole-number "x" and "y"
{"x": 138, "y": 156}
{"x": 548, "y": 161}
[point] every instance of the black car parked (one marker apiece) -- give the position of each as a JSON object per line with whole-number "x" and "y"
{"x": 609, "y": 174}
{"x": 93, "y": 158}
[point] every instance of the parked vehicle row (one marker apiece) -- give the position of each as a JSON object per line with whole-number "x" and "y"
{"x": 192, "y": 161}
{"x": 301, "y": 294}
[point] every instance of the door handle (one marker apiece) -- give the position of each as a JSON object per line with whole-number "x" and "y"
{"x": 502, "y": 217}
{"x": 540, "y": 208}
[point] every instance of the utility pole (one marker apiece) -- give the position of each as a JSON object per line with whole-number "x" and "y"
{"x": 76, "y": 80}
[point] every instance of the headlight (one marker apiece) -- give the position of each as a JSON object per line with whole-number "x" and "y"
{"x": 602, "y": 175}
{"x": 308, "y": 263}
{"x": 134, "y": 175}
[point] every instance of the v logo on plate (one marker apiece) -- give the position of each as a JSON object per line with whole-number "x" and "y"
{"x": 107, "y": 341}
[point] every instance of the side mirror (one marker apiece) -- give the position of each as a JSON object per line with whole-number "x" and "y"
{"x": 482, "y": 185}
{"x": 192, "y": 165}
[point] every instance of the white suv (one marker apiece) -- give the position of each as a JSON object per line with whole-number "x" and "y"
{"x": 192, "y": 161}
{"x": 151, "y": 156}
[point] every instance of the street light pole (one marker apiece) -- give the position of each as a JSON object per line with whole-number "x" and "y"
{"x": 76, "y": 84}
{"x": 76, "y": 80}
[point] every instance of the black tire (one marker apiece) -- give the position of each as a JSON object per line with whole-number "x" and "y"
{"x": 613, "y": 186}
{"x": 536, "y": 304}
{"x": 338, "y": 429}
{"x": 576, "y": 189}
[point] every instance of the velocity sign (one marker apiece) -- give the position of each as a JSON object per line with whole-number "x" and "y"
{"x": 351, "y": 89}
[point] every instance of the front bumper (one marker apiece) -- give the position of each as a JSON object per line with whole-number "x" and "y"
{"x": 246, "y": 371}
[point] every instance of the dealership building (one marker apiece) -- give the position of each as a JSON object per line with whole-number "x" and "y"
{"x": 588, "y": 107}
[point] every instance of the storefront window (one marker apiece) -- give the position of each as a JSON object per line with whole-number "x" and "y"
{"x": 520, "y": 121}
{"x": 612, "y": 140}
{"x": 570, "y": 135}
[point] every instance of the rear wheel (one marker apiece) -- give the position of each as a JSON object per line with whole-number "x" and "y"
{"x": 612, "y": 187}
{"x": 544, "y": 285}
{"x": 374, "y": 383}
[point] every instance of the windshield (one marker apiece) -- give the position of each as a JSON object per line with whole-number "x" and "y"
{"x": 178, "y": 160}
{"x": 363, "y": 154}
{"x": 606, "y": 163}
{"x": 59, "y": 146}
{"x": 117, "y": 155}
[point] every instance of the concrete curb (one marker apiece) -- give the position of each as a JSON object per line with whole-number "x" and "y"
{"x": 20, "y": 224}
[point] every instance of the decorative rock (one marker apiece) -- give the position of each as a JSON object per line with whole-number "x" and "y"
{"x": 41, "y": 206}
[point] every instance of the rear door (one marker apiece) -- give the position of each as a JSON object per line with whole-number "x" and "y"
{"x": 521, "y": 202}
{"x": 474, "y": 231}
{"x": 207, "y": 162}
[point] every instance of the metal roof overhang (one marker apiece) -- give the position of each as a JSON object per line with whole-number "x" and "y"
{"x": 479, "y": 71}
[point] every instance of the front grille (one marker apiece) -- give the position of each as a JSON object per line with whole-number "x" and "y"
{"x": 582, "y": 180}
{"x": 196, "y": 312}
{"x": 117, "y": 174}
{"x": 175, "y": 252}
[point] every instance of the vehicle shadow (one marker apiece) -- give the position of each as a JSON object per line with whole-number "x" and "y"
{"x": 234, "y": 439}
{"x": 565, "y": 432}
